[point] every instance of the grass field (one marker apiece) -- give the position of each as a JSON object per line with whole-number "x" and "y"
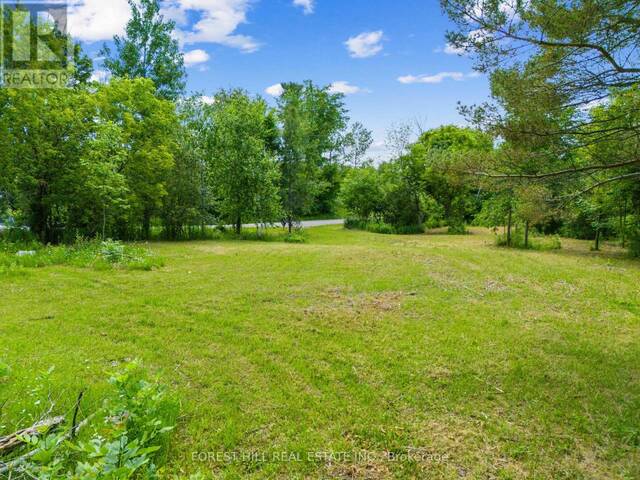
{"x": 428, "y": 356}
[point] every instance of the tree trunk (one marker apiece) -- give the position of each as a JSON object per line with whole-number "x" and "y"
{"x": 40, "y": 216}
{"x": 597, "y": 245}
{"x": 104, "y": 222}
{"x": 290, "y": 224}
{"x": 238, "y": 226}
{"x": 526, "y": 234}
{"x": 146, "y": 226}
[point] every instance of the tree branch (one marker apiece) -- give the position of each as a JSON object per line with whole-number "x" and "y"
{"x": 559, "y": 173}
{"x": 600, "y": 184}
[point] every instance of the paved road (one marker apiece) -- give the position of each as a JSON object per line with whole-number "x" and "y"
{"x": 305, "y": 224}
{"x": 321, "y": 223}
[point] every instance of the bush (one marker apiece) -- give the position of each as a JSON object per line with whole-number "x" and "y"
{"x": 457, "y": 229}
{"x": 535, "y": 243}
{"x": 362, "y": 192}
{"x": 112, "y": 252}
{"x": 382, "y": 227}
{"x": 410, "y": 230}
{"x": 83, "y": 253}
{"x": 295, "y": 237}
{"x": 126, "y": 438}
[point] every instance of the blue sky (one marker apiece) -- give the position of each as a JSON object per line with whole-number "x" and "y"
{"x": 255, "y": 44}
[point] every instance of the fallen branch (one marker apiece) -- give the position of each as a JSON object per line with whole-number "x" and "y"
{"x": 14, "y": 440}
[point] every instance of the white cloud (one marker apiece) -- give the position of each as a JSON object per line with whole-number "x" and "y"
{"x": 453, "y": 50}
{"x": 216, "y": 21}
{"x": 367, "y": 44}
{"x": 275, "y": 90}
{"x": 478, "y": 36}
{"x": 599, "y": 102}
{"x": 474, "y": 37}
{"x": 307, "y": 5}
{"x": 195, "y": 57}
{"x": 432, "y": 79}
{"x": 96, "y": 20}
{"x": 345, "y": 88}
{"x": 508, "y": 7}
{"x": 207, "y": 100}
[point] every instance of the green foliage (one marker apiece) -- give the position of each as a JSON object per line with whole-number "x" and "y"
{"x": 87, "y": 254}
{"x": 312, "y": 120}
{"x": 5, "y": 371}
{"x": 375, "y": 226}
{"x": 148, "y": 50}
{"x": 355, "y": 144}
{"x": 89, "y": 163}
{"x": 634, "y": 242}
{"x": 450, "y": 138}
{"x": 243, "y": 172}
{"x": 538, "y": 243}
{"x": 188, "y": 206}
{"x": 129, "y": 438}
{"x": 421, "y": 187}
{"x": 362, "y": 193}
{"x": 564, "y": 106}
{"x": 148, "y": 126}
{"x": 295, "y": 237}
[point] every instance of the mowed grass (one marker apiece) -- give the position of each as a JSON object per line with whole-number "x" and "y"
{"x": 355, "y": 355}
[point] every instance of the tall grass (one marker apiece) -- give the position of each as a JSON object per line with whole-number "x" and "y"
{"x": 96, "y": 254}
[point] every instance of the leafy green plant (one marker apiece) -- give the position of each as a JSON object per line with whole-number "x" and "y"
{"x": 129, "y": 437}
{"x": 295, "y": 237}
{"x": 83, "y": 253}
{"x": 112, "y": 252}
{"x": 539, "y": 243}
{"x": 382, "y": 227}
{"x": 457, "y": 229}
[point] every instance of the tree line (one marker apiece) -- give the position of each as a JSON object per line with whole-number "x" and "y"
{"x": 555, "y": 149}
{"x": 563, "y": 154}
{"x": 125, "y": 158}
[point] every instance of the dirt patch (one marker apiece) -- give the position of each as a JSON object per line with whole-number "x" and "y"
{"x": 379, "y": 301}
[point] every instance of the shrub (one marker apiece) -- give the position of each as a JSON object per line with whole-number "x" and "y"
{"x": 20, "y": 236}
{"x": 112, "y": 252}
{"x": 535, "y": 243}
{"x": 83, "y": 253}
{"x": 126, "y": 438}
{"x": 457, "y": 229}
{"x": 354, "y": 224}
{"x": 382, "y": 227}
{"x": 362, "y": 192}
{"x": 410, "y": 230}
{"x": 295, "y": 237}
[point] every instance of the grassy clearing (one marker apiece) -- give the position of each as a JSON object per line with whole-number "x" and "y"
{"x": 455, "y": 357}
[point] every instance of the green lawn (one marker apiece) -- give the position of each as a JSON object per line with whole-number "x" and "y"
{"x": 431, "y": 356}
